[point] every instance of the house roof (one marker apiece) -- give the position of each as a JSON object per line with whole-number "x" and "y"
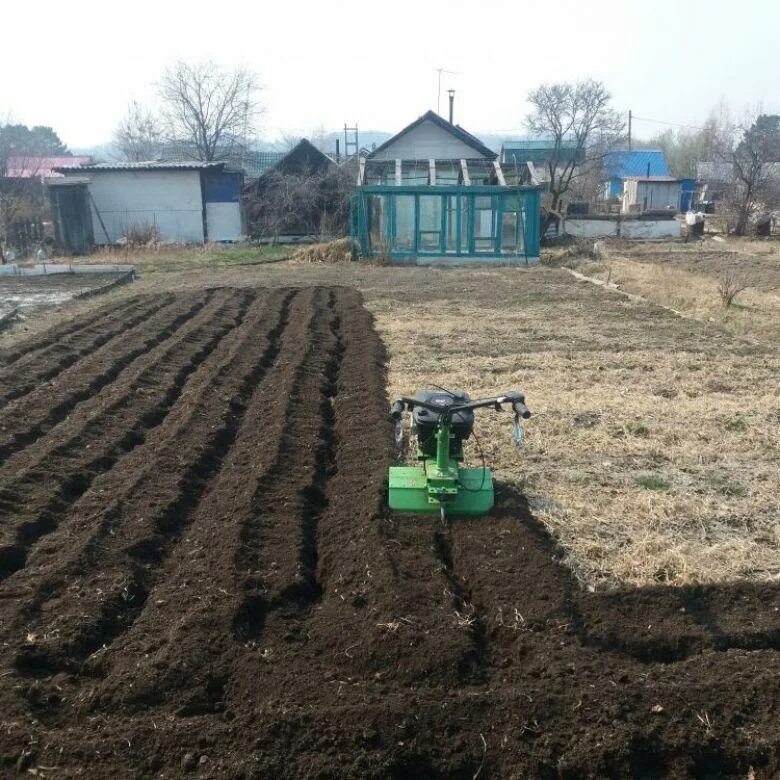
{"x": 654, "y": 179}
{"x": 536, "y": 143}
{"x": 304, "y": 156}
{"x": 151, "y": 165}
{"x": 624, "y": 164}
{"x": 455, "y": 130}
{"x": 22, "y": 167}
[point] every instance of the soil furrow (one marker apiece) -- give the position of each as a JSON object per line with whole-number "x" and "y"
{"x": 30, "y": 372}
{"x": 53, "y": 473}
{"x": 124, "y": 544}
{"x": 279, "y": 541}
{"x": 28, "y": 418}
{"x": 212, "y": 585}
{"x": 63, "y": 334}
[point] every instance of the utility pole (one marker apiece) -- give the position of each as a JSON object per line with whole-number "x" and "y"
{"x": 629, "y": 129}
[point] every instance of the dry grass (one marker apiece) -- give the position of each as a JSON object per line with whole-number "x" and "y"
{"x": 330, "y": 252}
{"x": 652, "y": 455}
{"x": 751, "y": 313}
{"x": 167, "y": 258}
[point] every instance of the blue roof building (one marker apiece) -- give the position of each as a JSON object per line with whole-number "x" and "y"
{"x": 642, "y": 163}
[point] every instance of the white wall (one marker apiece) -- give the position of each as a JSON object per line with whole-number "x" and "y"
{"x": 170, "y": 200}
{"x": 625, "y": 228}
{"x": 590, "y": 228}
{"x": 426, "y": 141}
{"x": 650, "y": 228}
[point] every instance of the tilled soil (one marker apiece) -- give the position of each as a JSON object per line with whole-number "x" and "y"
{"x": 198, "y": 577}
{"x": 31, "y": 294}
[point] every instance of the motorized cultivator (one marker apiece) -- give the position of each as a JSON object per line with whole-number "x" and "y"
{"x": 442, "y": 421}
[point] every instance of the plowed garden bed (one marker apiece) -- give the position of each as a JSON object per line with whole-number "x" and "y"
{"x": 197, "y": 576}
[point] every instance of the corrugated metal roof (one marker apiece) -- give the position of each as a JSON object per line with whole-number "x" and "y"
{"x": 651, "y": 179}
{"x": 624, "y": 164}
{"x": 152, "y": 165}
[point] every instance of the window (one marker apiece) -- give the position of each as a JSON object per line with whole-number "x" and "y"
{"x": 451, "y": 224}
{"x": 430, "y": 224}
{"x": 377, "y": 240}
{"x": 403, "y": 232}
{"x": 484, "y": 224}
{"x": 465, "y": 210}
{"x": 512, "y": 225}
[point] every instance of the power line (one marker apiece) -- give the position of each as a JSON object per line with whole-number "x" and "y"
{"x": 672, "y": 124}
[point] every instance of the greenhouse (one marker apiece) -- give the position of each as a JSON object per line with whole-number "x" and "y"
{"x": 435, "y": 193}
{"x": 411, "y": 224}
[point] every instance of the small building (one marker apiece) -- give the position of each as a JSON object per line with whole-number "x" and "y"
{"x": 651, "y": 193}
{"x": 434, "y": 193}
{"x": 620, "y": 165}
{"x": 187, "y": 202}
{"x": 296, "y": 197}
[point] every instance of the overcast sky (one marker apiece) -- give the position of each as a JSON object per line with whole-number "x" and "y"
{"x": 76, "y": 65}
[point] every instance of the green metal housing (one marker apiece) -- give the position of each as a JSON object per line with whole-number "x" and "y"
{"x": 440, "y": 483}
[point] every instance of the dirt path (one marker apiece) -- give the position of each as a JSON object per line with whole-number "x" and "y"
{"x": 199, "y": 576}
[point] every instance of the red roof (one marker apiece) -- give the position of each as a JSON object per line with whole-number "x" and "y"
{"x": 40, "y": 167}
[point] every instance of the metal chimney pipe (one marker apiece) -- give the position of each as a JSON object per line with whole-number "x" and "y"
{"x": 451, "y": 93}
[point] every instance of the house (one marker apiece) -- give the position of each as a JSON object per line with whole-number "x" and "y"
{"x": 187, "y": 202}
{"x": 435, "y": 193}
{"x": 296, "y": 197}
{"x": 620, "y": 165}
{"x": 22, "y": 167}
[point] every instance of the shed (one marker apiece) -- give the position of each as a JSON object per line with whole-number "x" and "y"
{"x": 434, "y": 193}
{"x": 652, "y": 193}
{"x": 185, "y": 202}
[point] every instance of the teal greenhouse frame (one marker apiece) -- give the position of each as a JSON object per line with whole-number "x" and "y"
{"x": 415, "y": 224}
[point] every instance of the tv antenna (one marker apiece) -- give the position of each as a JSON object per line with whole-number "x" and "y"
{"x": 438, "y": 88}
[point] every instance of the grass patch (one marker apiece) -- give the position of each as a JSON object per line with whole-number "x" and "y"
{"x": 653, "y": 482}
{"x": 738, "y": 424}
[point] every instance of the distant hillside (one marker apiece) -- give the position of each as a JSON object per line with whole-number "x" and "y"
{"x": 368, "y": 139}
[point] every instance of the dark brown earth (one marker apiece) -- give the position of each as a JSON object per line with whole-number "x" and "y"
{"x": 198, "y": 577}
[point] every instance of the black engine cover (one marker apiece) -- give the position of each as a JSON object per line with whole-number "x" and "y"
{"x": 426, "y": 420}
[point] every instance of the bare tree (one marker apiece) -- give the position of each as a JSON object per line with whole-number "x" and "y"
{"x": 578, "y": 120}
{"x": 23, "y": 203}
{"x": 139, "y": 136}
{"x": 756, "y": 159}
{"x": 208, "y": 108}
